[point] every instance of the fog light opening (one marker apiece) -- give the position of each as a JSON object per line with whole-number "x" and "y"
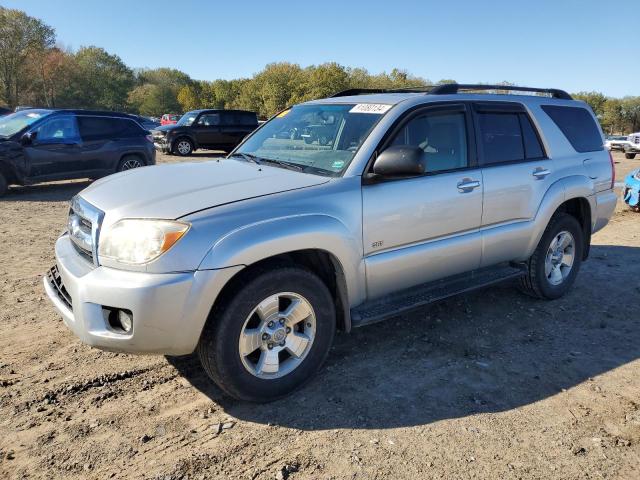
{"x": 119, "y": 320}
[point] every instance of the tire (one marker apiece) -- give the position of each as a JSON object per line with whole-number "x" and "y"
{"x": 4, "y": 186}
{"x": 183, "y": 147}
{"x": 629, "y": 156}
{"x": 238, "y": 375}
{"x": 537, "y": 282}
{"x": 129, "y": 162}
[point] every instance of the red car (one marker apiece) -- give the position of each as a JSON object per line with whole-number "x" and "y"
{"x": 169, "y": 119}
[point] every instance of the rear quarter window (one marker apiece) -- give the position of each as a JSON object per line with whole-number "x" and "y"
{"x": 578, "y": 126}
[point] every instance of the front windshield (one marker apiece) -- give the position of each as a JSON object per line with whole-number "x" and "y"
{"x": 187, "y": 119}
{"x": 11, "y": 124}
{"x": 318, "y": 138}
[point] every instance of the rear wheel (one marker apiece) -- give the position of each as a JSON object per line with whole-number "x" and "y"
{"x": 183, "y": 147}
{"x": 271, "y": 336}
{"x": 556, "y": 261}
{"x": 629, "y": 156}
{"x": 4, "y": 186}
{"x": 130, "y": 162}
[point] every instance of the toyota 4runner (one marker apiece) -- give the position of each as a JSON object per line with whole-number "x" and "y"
{"x": 411, "y": 196}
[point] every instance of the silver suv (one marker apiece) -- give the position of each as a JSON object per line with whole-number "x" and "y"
{"x": 396, "y": 200}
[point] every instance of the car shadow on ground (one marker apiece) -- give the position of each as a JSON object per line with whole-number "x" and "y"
{"x": 46, "y": 192}
{"x": 489, "y": 351}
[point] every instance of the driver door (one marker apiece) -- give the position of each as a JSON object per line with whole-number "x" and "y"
{"x": 425, "y": 228}
{"x": 55, "y": 150}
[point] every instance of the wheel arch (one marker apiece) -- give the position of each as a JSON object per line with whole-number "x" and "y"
{"x": 319, "y": 243}
{"x": 573, "y": 195}
{"x": 320, "y": 262}
{"x": 131, "y": 154}
{"x": 187, "y": 136}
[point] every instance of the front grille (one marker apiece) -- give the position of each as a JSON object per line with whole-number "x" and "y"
{"x": 55, "y": 280}
{"x": 83, "y": 225}
{"x": 636, "y": 139}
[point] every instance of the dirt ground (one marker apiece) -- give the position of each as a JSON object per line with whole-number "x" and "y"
{"x": 489, "y": 385}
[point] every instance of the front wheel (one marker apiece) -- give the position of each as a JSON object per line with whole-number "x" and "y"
{"x": 556, "y": 261}
{"x": 629, "y": 156}
{"x": 183, "y": 147}
{"x": 271, "y": 336}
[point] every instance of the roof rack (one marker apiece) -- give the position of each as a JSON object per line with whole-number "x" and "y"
{"x": 453, "y": 88}
{"x": 367, "y": 91}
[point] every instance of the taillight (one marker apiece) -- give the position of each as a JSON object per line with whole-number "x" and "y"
{"x": 613, "y": 170}
{"x": 149, "y": 137}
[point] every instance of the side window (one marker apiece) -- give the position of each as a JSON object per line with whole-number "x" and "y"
{"x": 209, "y": 119}
{"x": 248, "y": 119}
{"x": 441, "y": 136}
{"x": 532, "y": 147}
{"x": 230, "y": 118}
{"x": 578, "y": 125}
{"x": 97, "y": 128}
{"x": 500, "y": 138}
{"x": 129, "y": 128}
{"x": 58, "y": 130}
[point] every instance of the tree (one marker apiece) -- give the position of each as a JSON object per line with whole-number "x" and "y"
{"x": 20, "y": 36}
{"x": 102, "y": 80}
{"x": 157, "y": 90}
{"x": 596, "y": 101}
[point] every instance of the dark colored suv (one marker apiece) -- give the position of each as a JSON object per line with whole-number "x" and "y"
{"x": 214, "y": 129}
{"x": 41, "y": 145}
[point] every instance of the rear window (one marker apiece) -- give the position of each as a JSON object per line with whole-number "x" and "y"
{"x": 93, "y": 128}
{"x": 578, "y": 125}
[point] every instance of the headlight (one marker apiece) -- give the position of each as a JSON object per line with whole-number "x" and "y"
{"x": 138, "y": 241}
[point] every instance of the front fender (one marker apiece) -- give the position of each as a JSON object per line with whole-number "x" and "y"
{"x": 261, "y": 240}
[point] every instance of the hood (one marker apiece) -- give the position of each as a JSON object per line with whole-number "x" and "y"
{"x": 175, "y": 190}
{"x": 166, "y": 128}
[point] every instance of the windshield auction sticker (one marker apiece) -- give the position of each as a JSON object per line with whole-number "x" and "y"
{"x": 377, "y": 108}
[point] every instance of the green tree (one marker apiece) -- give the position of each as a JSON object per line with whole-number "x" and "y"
{"x": 157, "y": 90}
{"x": 596, "y": 101}
{"x": 20, "y": 37}
{"x": 102, "y": 80}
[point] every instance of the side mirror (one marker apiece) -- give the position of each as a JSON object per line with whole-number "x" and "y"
{"x": 28, "y": 138}
{"x": 399, "y": 161}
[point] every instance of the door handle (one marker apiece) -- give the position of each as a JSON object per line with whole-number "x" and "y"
{"x": 540, "y": 173}
{"x": 467, "y": 185}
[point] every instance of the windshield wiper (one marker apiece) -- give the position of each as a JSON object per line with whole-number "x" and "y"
{"x": 249, "y": 157}
{"x": 287, "y": 165}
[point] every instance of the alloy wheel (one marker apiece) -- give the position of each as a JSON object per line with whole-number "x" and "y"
{"x": 277, "y": 335}
{"x": 560, "y": 257}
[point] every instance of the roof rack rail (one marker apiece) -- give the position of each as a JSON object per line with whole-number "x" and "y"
{"x": 367, "y": 91}
{"x": 453, "y": 88}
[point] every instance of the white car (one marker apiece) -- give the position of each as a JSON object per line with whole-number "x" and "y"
{"x": 632, "y": 146}
{"x": 616, "y": 142}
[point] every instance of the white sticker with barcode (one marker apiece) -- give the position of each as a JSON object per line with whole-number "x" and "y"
{"x": 377, "y": 108}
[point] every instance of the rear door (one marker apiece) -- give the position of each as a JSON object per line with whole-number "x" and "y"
{"x": 236, "y": 125}
{"x": 55, "y": 149}
{"x": 517, "y": 173}
{"x": 100, "y": 137}
{"x": 207, "y": 129}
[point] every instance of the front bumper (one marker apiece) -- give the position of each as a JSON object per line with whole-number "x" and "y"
{"x": 169, "y": 310}
{"x": 631, "y": 191}
{"x": 161, "y": 146}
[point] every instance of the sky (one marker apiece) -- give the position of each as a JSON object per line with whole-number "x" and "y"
{"x": 574, "y": 45}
